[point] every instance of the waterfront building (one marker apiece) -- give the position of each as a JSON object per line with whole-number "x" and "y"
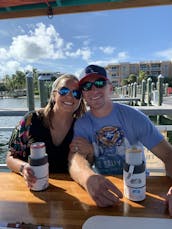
{"x": 48, "y": 76}
{"x": 119, "y": 71}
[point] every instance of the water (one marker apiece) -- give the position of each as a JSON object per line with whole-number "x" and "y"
{"x": 10, "y": 121}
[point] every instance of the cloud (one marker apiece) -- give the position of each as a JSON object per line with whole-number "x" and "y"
{"x": 4, "y": 55}
{"x": 84, "y": 53}
{"x": 41, "y": 43}
{"x": 38, "y": 44}
{"x": 84, "y": 39}
{"x": 80, "y": 37}
{"x": 78, "y": 71}
{"x": 167, "y": 54}
{"x": 9, "y": 67}
{"x": 107, "y": 49}
{"x": 41, "y": 46}
{"x": 121, "y": 56}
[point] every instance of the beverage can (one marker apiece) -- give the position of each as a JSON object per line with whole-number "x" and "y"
{"x": 38, "y": 161}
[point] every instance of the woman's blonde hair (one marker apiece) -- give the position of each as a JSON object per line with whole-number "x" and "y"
{"x": 49, "y": 107}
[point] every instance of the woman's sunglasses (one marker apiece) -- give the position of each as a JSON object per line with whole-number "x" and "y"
{"x": 65, "y": 91}
{"x": 99, "y": 83}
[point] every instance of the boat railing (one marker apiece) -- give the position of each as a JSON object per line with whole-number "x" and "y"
{"x": 147, "y": 110}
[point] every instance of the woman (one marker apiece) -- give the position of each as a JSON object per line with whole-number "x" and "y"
{"x": 52, "y": 125}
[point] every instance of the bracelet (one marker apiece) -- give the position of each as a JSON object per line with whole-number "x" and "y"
{"x": 21, "y": 169}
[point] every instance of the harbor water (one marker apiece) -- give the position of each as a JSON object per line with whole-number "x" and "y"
{"x": 5, "y": 121}
{"x": 11, "y": 121}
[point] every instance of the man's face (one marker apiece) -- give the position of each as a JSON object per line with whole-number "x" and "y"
{"x": 96, "y": 91}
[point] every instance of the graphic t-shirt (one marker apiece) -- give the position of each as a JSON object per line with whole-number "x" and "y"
{"x": 113, "y": 134}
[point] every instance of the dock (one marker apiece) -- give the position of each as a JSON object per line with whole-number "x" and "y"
{"x": 154, "y": 165}
{"x": 155, "y": 110}
{"x": 148, "y": 110}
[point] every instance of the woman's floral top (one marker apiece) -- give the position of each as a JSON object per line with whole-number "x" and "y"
{"x": 31, "y": 129}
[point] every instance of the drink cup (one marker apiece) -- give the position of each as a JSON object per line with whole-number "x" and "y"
{"x": 38, "y": 161}
{"x": 134, "y": 174}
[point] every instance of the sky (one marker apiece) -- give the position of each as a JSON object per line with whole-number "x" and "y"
{"x": 68, "y": 43}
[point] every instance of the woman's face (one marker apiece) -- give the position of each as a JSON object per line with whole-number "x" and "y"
{"x": 67, "y": 96}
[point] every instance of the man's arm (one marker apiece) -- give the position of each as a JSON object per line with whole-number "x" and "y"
{"x": 164, "y": 151}
{"x": 79, "y": 168}
{"x": 102, "y": 191}
{"x": 169, "y": 201}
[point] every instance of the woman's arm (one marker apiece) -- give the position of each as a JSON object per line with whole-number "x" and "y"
{"x": 19, "y": 146}
{"x": 15, "y": 164}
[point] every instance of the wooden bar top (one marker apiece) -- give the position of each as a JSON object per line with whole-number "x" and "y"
{"x": 66, "y": 204}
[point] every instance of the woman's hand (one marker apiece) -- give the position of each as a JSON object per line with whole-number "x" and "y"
{"x": 28, "y": 175}
{"x": 83, "y": 147}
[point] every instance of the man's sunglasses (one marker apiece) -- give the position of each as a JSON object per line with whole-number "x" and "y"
{"x": 99, "y": 83}
{"x": 65, "y": 91}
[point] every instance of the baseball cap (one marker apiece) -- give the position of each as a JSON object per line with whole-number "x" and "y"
{"x": 92, "y": 70}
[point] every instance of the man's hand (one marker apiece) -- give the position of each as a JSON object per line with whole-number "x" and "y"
{"x": 103, "y": 191}
{"x": 169, "y": 201}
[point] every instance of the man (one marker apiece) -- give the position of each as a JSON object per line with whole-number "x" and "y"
{"x": 109, "y": 129}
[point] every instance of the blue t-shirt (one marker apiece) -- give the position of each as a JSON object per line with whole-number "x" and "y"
{"x": 113, "y": 134}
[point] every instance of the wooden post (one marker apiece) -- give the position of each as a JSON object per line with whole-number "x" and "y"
{"x": 152, "y": 86}
{"x": 149, "y": 93}
{"x": 129, "y": 90}
{"x": 135, "y": 92}
{"x": 43, "y": 91}
{"x": 160, "y": 95}
{"x": 160, "y": 89}
{"x": 166, "y": 89}
{"x": 30, "y": 91}
{"x": 143, "y": 92}
{"x": 132, "y": 89}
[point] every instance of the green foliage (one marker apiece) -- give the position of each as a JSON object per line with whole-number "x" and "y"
{"x": 132, "y": 78}
{"x": 169, "y": 81}
{"x": 142, "y": 76}
{"x": 2, "y": 87}
{"x": 18, "y": 81}
{"x": 153, "y": 78}
{"x": 124, "y": 81}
